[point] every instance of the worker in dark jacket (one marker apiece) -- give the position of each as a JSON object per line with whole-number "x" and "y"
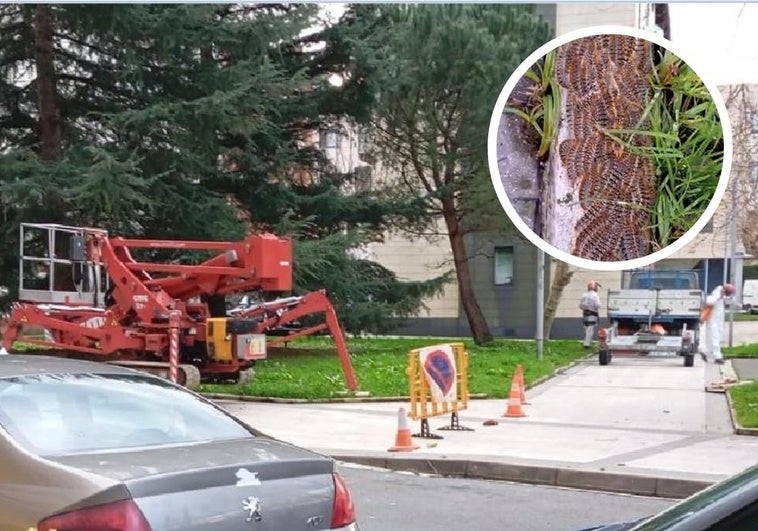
{"x": 590, "y": 306}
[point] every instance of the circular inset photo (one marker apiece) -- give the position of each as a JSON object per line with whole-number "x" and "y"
{"x": 607, "y": 150}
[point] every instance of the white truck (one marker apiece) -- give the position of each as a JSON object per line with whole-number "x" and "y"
{"x": 655, "y": 311}
{"x": 750, "y": 296}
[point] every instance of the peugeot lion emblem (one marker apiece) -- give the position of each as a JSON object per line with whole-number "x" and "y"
{"x": 252, "y": 506}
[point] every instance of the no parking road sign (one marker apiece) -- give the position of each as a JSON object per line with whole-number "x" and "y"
{"x": 438, "y": 384}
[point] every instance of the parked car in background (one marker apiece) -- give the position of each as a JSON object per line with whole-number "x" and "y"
{"x": 731, "y": 505}
{"x": 750, "y": 296}
{"x": 90, "y": 446}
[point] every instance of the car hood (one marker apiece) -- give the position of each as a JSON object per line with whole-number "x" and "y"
{"x": 142, "y": 462}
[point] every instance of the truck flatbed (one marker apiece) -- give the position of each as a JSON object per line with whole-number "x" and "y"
{"x": 654, "y": 311}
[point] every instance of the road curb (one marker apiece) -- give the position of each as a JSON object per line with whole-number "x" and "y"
{"x": 560, "y": 371}
{"x": 739, "y": 429}
{"x": 378, "y": 399}
{"x": 350, "y": 400}
{"x": 659, "y": 487}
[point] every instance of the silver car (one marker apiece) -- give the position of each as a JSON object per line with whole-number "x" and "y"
{"x": 90, "y": 446}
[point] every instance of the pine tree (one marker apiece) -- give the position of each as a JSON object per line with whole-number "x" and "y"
{"x": 436, "y": 72}
{"x": 173, "y": 121}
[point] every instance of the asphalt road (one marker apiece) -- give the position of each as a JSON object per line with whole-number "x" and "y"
{"x": 742, "y": 332}
{"x": 747, "y": 369}
{"x": 396, "y": 501}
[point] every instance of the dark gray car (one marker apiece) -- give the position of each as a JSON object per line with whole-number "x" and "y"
{"x": 731, "y": 505}
{"x": 90, "y": 446}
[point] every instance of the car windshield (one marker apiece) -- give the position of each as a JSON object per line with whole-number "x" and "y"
{"x": 55, "y": 414}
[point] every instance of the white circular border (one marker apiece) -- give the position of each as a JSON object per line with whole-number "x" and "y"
{"x": 649, "y": 259}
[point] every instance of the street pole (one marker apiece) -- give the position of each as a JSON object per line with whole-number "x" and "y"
{"x": 724, "y": 277}
{"x": 732, "y": 253}
{"x": 540, "y": 302}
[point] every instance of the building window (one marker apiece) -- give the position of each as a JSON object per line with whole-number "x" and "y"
{"x": 503, "y": 266}
{"x": 330, "y": 139}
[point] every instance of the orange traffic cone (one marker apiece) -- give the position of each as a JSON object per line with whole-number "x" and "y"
{"x": 403, "y": 440}
{"x": 514, "y": 401}
{"x": 521, "y": 387}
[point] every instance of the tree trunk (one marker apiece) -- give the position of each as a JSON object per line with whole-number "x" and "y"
{"x": 47, "y": 104}
{"x": 49, "y": 122}
{"x": 478, "y": 324}
{"x": 560, "y": 280}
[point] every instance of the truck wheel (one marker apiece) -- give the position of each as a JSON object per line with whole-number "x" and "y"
{"x": 245, "y": 376}
{"x": 604, "y": 357}
{"x": 189, "y": 376}
{"x": 689, "y": 360}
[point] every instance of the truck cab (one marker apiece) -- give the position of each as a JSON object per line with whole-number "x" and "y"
{"x": 660, "y": 279}
{"x": 750, "y": 296}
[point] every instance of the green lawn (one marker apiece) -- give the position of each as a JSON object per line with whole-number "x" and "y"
{"x": 745, "y": 402}
{"x": 741, "y": 351}
{"x": 743, "y": 317}
{"x": 744, "y": 397}
{"x": 309, "y": 368}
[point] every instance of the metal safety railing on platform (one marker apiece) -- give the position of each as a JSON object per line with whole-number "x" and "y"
{"x": 53, "y": 266}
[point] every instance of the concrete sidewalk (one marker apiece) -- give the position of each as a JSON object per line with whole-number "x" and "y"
{"x": 641, "y": 425}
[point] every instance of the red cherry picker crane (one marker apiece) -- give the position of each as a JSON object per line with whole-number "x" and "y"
{"x": 93, "y": 300}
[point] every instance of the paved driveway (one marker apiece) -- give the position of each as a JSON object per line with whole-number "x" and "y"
{"x": 743, "y": 332}
{"x": 636, "y": 417}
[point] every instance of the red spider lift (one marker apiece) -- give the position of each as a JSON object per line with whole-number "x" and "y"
{"x": 88, "y": 295}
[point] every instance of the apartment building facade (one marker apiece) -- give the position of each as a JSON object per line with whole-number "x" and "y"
{"x": 504, "y": 266}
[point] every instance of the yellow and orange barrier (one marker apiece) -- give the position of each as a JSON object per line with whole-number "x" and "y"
{"x": 430, "y": 376}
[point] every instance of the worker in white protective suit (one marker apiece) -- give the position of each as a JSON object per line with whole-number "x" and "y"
{"x": 713, "y": 315}
{"x": 3, "y": 330}
{"x": 590, "y": 306}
